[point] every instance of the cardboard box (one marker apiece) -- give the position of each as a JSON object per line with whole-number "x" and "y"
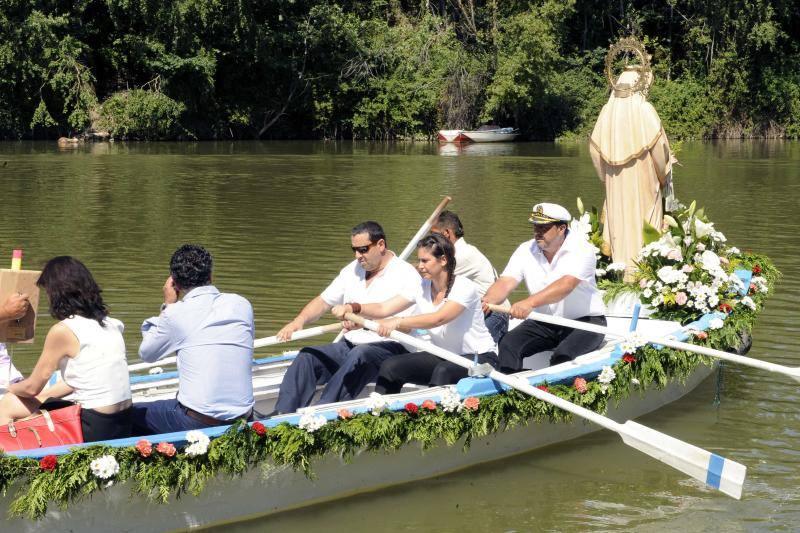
{"x": 23, "y": 281}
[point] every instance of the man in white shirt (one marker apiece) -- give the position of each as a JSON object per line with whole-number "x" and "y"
{"x": 559, "y": 270}
{"x": 472, "y": 264}
{"x": 346, "y": 366}
{"x": 15, "y": 307}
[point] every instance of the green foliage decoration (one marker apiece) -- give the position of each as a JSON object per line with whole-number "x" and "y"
{"x": 158, "y": 478}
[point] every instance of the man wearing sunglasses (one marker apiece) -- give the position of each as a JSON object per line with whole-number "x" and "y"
{"x": 346, "y": 366}
{"x": 559, "y": 270}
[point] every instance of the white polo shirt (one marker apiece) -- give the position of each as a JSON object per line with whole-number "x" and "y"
{"x": 575, "y": 258}
{"x": 472, "y": 264}
{"x": 465, "y": 334}
{"x": 397, "y": 278}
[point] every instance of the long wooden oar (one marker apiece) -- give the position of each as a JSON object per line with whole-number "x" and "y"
{"x": 421, "y": 232}
{"x": 793, "y": 372}
{"x": 718, "y": 472}
{"x": 259, "y": 343}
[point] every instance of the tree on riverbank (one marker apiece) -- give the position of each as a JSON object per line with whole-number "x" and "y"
{"x": 385, "y": 69}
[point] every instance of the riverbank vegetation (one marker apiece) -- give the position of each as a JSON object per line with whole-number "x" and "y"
{"x": 387, "y": 69}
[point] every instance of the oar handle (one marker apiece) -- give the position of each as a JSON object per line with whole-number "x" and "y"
{"x": 664, "y": 341}
{"x": 259, "y": 343}
{"x": 423, "y": 230}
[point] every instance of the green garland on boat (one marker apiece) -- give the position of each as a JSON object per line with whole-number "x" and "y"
{"x": 161, "y": 474}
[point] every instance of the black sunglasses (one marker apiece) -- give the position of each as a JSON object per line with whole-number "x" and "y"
{"x": 362, "y": 249}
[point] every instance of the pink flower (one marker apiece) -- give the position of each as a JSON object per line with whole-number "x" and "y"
{"x": 687, "y": 268}
{"x": 701, "y": 335}
{"x": 144, "y": 447}
{"x": 259, "y": 428}
{"x": 412, "y": 408}
{"x": 48, "y": 463}
{"x": 580, "y": 385}
{"x": 681, "y": 298}
{"x": 430, "y": 405}
{"x": 345, "y": 414}
{"x": 472, "y": 403}
{"x": 165, "y": 448}
{"x": 643, "y": 283}
{"x": 674, "y": 255}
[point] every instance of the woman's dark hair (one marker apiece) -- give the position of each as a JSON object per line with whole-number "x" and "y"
{"x": 72, "y": 290}
{"x": 439, "y": 247}
{"x": 190, "y": 267}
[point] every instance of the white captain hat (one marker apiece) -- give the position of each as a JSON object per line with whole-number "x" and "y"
{"x": 546, "y": 213}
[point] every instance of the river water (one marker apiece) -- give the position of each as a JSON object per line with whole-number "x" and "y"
{"x": 277, "y": 217}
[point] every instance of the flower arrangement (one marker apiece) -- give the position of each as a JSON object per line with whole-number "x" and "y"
{"x": 685, "y": 270}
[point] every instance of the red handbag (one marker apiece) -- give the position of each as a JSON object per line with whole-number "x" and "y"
{"x": 47, "y": 428}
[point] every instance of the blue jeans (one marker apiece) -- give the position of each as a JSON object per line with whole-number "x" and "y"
{"x": 162, "y": 416}
{"x": 344, "y": 369}
{"x": 497, "y": 324}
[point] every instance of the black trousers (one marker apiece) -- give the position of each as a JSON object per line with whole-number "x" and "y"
{"x": 531, "y": 337}
{"x": 97, "y": 426}
{"x": 423, "y": 368}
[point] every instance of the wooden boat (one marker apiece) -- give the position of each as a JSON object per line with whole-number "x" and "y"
{"x": 273, "y": 487}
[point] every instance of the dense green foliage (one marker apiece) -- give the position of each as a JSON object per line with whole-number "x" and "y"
{"x": 387, "y": 68}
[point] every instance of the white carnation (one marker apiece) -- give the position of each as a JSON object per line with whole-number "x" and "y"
{"x": 104, "y": 467}
{"x": 606, "y": 376}
{"x": 198, "y": 443}
{"x": 715, "y": 323}
{"x": 619, "y": 266}
{"x": 376, "y": 403}
{"x": 311, "y": 422}
{"x": 450, "y": 400}
{"x": 748, "y": 302}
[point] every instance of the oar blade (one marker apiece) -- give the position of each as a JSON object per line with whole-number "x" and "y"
{"x": 715, "y": 471}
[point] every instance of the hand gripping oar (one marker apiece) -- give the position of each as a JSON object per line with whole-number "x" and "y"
{"x": 259, "y": 343}
{"x": 717, "y": 472}
{"x": 793, "y": 372}
{"x": 421, "y": 232}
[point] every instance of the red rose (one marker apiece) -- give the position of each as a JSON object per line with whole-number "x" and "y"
{"x": 726, "y": 308}
{"x": 756, "y": 269}
{"x": 165, "y": 448}
{"x": 144, "y": 447}
{"x": 430, "y": 405}
{"x": 48, "y": 463}
{"x": 412, "y": 408}
{"x": 472, "y": 403}
{"x": 543, "y": 387}
{"x": 580, "y": 385}
{"x": 259, "y": 428}
{"x": 345, "y": 414}
{"x": 628, "y": 358}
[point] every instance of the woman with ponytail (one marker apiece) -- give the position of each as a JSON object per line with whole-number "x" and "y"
{"x": 450, "y": 310}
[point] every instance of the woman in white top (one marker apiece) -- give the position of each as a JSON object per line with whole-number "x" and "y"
{"x": 451, "y": 312}
{"x": 88, "y": 348}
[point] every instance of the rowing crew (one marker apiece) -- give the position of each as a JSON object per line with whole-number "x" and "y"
{"x": 212, "y": 333}
{"x": 557, "y": 266}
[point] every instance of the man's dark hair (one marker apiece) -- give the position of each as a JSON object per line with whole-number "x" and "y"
{"x": 190, "y": 267}
{"x": 449, "y": 220}
{"x": 372, "y": 228}
{"x": 72, "y": 290}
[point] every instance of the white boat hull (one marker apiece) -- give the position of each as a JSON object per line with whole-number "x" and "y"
{"x": 260, "y": 492}
{"x": 489, "y": 136}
